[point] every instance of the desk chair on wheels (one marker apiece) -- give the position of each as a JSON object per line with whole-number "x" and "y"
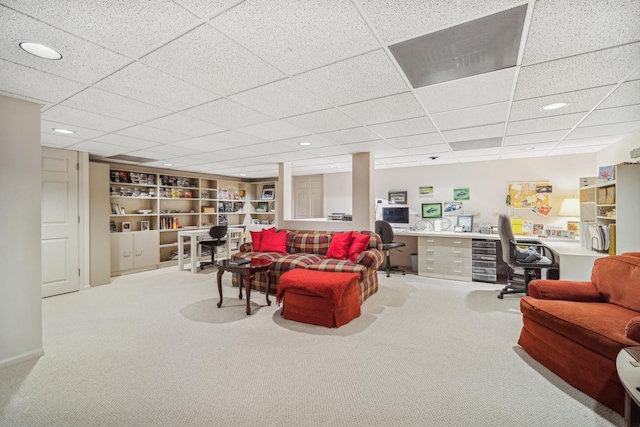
{"x": 385, "y": 231}
{"x": 217, "y": 232}
{"x": 531, "y": 256}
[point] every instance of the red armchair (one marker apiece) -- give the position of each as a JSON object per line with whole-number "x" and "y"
{"x": 576, "y": 329}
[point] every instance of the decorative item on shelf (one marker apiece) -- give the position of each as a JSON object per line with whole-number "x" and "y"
{"x": 268, "y": 194}
{"x": 223, "y": 194}
{"x": 397, "y": 197}
{"x": 144, "y": 225}
{"x": 255, "y": 221}
{"x": 242, "y": 194}
{"x": 112, "y": 227}
{"x": 126, "y": 226}
{"x": 204, "y": 195}
{"x": 606, "y": 173}
{"x": 262, "y": 207}
{"x": 265, "y": 222}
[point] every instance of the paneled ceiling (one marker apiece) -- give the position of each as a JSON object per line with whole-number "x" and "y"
{"x": 233, "y": 87}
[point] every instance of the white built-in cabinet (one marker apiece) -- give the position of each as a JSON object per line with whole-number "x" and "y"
{"x": 137, "y": 250}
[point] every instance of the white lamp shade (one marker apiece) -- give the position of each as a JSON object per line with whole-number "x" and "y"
{"x": 570, "y": 207}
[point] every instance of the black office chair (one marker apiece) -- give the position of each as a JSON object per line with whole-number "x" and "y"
{"x": 385, "y": 231}
{"x": 217, "y": 232}
{"x": 530, "y": 256}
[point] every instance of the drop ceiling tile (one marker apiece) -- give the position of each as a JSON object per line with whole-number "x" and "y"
{"x": 143, "y": 83}
{"x": 322, "y": 121}
{"x": 185, "y": 125}
{"x": 58, "y": 141}
{"x": 99, "y": 147}
{"x": 363, "y": 77}
{"x": 477, "y": 157}
{"x": 112, "y": 105}
{"x": 566, "y": 121}
{"x": 593, "y": 25}
{"x": 279, "y": 99}
{"x": 315, "y": 141}
{"x": 47, "y": 126}
{"x": 82, "y": 61}
{"x": 471, "y": 117}
{"x": 415, "y": 126}
{"x": 293, "y": 156}
{"x": 74, "y": 117}
{"x": 482, "y": 89}
{"x": 20, "y": 80}
{"x": 612, "y": 115}
{"x": 524, "y": 154}
{"x": 382, "y": 156}
{"x": 572, "y": 151}
{"x": 366, "y": 147}
{"x": 479, "y": 132}
{"x": 206, "y": 8}
{"x": 186, "y": 160}
{"x": 416, "y": 140}
{"x": 593, "y": 69}
{"x": 387, "y": 109}
{"x": 202, "y": 145}
{"x": 628, "y": 93}
{"x": 227, "y": 114}
{"x": 272, "y": 131}
{"x": 126, "y": 27}
{"x": 150, "y": 154}
{"x": 535, "y": 138}
{"x": 587, "y": 142}
{"x": 211, "y": 157}
{"x": 152, "y": 134}
{"x": 126, "y": 141}
{"x": 537, "y": 148}
{"x": 604, "y": 130}
{"x": 400, "y": 20}
{"x": 224, "y": 67}
{"x": 298, "y": 36}
{"x": 233, "y": 138}
{"x": 434, "y": 149}
{"x": 579, "y": 101}
{"x": 348, "y": 136}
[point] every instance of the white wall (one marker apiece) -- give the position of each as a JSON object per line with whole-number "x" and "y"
{"x": 618, "y": 152}
{"x": 20, "y": 255}
{"x": 487, "y": 181}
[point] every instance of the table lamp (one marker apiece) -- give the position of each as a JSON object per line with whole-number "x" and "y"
{"x": 570, "y": 208}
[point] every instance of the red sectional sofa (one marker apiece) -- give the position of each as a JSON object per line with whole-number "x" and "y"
{"x": 307, "y": 249}
{"x": 576, "y": 329}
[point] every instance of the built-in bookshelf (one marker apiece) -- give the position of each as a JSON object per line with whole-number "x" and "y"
{"x": 165, "y": 202}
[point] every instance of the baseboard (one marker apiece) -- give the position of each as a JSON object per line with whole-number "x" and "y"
{"x": 34, "y": 354}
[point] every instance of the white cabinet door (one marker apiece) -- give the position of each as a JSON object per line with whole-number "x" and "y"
{"x": 60, "y": 222}
{"x": 121, "y": 251}
{"x": 145, "y": 248}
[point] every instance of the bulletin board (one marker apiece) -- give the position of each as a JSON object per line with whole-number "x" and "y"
{"x": 529, "y": 195}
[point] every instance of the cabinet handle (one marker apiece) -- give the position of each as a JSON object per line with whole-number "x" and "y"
{"x": 457, "y": 262}
{"x": 457, "y": 242}
{"x": 126, "y": 254}
{"x": 138, "y": 253}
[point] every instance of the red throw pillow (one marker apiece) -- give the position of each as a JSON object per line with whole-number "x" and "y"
{"x": 273, "y": 242}
{"x": 256, "y": 238}
{"x": 339, "y": 246}
{"x": 359, "y": 244}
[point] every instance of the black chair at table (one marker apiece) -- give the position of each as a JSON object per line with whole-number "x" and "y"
{"x": 530, "y": 256}
{"x": 217, "y": 232}
{"x": 385, "y": 231}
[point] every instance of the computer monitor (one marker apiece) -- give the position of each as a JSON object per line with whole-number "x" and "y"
{"x": 396, "y": 216}
{"x": 432, "y": 210}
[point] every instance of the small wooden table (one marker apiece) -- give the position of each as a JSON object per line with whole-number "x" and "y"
{"x": 246, "y": 272}
{"x": 630, "y": 378}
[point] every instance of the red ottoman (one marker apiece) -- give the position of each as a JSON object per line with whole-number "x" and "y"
{"x": 321, "y": 298}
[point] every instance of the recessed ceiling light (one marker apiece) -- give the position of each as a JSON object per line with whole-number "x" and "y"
{"x": 555, "y": 106}
{"x": 526, "y": 148}
{"x": 40, "y": 50}
{"x": 242, "y": 174}
{"x": 333, "y": 166}
{"x": 167, "y": 164}
{"x": 65, "y": 131}
{"x": 305, "y": 143}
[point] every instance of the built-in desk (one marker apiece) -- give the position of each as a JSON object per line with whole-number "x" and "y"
{"x": 447, "y": 254}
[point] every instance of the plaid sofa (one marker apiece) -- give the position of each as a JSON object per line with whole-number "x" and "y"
{"x": 307, "y": 249}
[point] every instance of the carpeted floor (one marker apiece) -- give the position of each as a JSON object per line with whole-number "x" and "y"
{"x": 152, "y": 349}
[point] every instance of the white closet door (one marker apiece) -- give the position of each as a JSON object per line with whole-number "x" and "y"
{"x": 60, "y": 228}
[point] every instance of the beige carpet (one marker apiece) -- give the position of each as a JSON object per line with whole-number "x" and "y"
{"x": 152, "y": 349}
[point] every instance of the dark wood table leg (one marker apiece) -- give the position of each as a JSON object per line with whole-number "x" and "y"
{"x": 247, "y": 288}
{"x": 220, "y": 272}
{"x": 241, "y": 281}
{"x": 268, "y": 287}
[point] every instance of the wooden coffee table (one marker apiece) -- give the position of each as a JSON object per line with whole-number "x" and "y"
{"x": 630, "y": 378}
{"x": 246, "y": 273}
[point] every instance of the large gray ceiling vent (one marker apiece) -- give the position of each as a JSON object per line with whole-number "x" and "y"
{"x": 476, "y": 144}
{"x": 129, "y": 159}
{"x": 480, "y": 46}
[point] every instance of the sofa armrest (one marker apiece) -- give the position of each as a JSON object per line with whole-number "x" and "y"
{"x": 246, "y": 247}
{"x": 632, "y": 330}
{"x": 566, "y": 290}
{"x": 371, "y": 258}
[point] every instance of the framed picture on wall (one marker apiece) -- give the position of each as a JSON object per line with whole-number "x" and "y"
{"x": 397, "y": 197}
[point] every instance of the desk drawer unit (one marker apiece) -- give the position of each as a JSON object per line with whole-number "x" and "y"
{"x": 445, "y": 258}
{"x": 484, "y": 256}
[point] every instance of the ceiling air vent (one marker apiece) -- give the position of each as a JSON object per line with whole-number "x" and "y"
{"x": 476, "y": 144}
{"x": 476, "y": 47}
{"x": 129, "y": 159}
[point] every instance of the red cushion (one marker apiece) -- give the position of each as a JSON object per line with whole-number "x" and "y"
{"x": 256, "y": 238}
{"x": 339, "y": 246}
{"x": 273, "y": 242}
{"x": 360, "y": 243}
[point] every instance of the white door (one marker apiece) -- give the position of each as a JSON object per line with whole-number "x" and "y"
{"x": 60, "y": 228}
{"x": 308, "y": 194}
